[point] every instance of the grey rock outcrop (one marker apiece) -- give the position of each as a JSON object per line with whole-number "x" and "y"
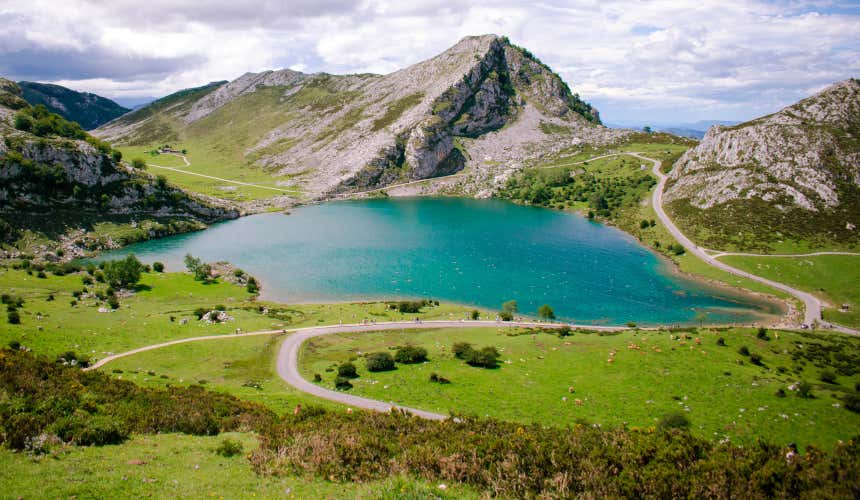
{"x": 797, "y": 157}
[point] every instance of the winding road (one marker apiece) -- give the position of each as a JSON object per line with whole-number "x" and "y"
{"x": 812, "y": 306}
{"x": 288, "y": 356}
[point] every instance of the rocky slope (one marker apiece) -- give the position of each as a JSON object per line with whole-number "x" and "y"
{"x": 89, "y": 110}
{"x": 50, "y": 167}
{"x": 482, "y": 107}
{"x": 793, "y": 174}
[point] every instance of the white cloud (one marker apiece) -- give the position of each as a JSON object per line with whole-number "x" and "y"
{"x": 684, "y": 59}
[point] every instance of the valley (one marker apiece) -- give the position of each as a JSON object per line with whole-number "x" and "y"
{"x": 443, "y": 279}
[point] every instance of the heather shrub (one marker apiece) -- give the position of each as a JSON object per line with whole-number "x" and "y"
{"x": 410, "y": 354}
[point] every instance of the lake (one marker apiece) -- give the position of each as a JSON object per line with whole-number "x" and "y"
{"x": 477, "y": 252}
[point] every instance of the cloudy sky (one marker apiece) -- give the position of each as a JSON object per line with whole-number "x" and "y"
{"x": 654, "y": 61}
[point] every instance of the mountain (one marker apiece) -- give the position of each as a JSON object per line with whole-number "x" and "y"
{"x": 89, "y": 110}
{"x": 794, "y": 175}
{"x": 481, "y": 107}
{"x": 49, "y": 165}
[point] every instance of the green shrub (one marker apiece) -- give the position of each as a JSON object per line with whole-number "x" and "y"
{"x": 138, "y": 163}
{"x": 761, "y": 334}
{"x": 506, "y": 316}
{"x": 158, "y": 267}
{"x": 317, "y": 378}
{"x": 410, "y": 354}
{"x": 13, "y": 317}
{"x": 252, "y": 286}
{"x": 229, "y": 448}
{"x": 461, "y": 349}
{"x": 438, "y": 379}
{"x": 721, "y": 341}
{"x": 804, "y": 390}
{"x": 342, "y": 384}
{"x": 755, "y": 359}
{"x": 486, "y": 357}
{"x": 476, "y": 314}
{"x": 780, "y": 393}
{"x": 123, "y": 273}
{"x": 113, "y": 302}
{"x": 379, "y": 362}
{"x": 564, "y": 331}
{"x": 851, "y": 402}
{"x": 200, "y": 312}
{"x": 347, "y": 370}
{"x": 744, "y": 351}
{"x": 674, "y": 420}
{"x": 827, "y": 376}
{"x": 89, "y": 430}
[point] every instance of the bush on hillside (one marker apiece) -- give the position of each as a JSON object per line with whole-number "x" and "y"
{"x": 461, "y": 349}
{"x": 410, "y": 354}
{"x": 13, "y": 317}
{"x": 486, "y": 357}
{"x": 379, "y": 362}
{"x": 744, "y": 351}
{"x": 229, "y": 448}
{"x": 347, "y": 370}
{"x": 827, "y": 376}
{"x": 158, "y": 267}
{"x": 342, "y": 384}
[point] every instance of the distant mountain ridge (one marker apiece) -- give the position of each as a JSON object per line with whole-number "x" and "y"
{"x": 481, "y": 107}
{"x": 89, "y": 110}
{"x": 794, "y": 174}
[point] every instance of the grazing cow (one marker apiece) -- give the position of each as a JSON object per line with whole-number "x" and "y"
{"x": 578, "y": 402}
{"x": 571, "y": 389}
{"x": 297, "y": 410}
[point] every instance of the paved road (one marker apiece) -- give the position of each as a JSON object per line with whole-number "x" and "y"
{"x": 288, "y": 356}
{"x": 719, "y": 254}
{"x": 812, "y": 305}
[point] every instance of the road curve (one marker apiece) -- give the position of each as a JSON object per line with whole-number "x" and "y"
{"x": 812, "y": 305}
{"x": 288, "y": 356}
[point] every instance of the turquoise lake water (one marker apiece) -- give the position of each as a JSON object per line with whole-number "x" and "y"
{"x": 478, "y": 252}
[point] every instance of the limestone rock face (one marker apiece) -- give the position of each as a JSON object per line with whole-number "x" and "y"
{"x": 339, "y": 134}
{"x": 796, "y": 158}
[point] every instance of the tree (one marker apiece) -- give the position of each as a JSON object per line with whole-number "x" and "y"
{"x": 700, "y": 317}
{"x": 123, "y": 273}
{"x": 546, "y": 312}
{"x": 158, "y": 267}
{"x": 201, "y": 270}
{"x": 486, "y": 357}
{"x": 138, "y": 163}
{"x": 252, "y": 286}
{"x": 511, "y": 306}
{"x": 347, "y": 370}
{"x": 476, "y": 314}
{"x": 646, "y": 129}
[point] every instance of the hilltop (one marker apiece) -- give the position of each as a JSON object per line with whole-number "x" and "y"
{"x": 50, "y": 166}
{"x": 793, "y": 175}
{"x": 89, "y": 110}
{"x": 482, "y": 107}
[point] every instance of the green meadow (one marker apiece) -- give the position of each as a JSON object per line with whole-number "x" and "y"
{"x": 833, "y": 278}
{"x": 182, "y": 466}
{"x": 722, "y": 392}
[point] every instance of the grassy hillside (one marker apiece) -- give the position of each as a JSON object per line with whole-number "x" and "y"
{"x": 89, "y": 110}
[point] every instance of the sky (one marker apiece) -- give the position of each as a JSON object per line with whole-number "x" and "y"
{"x": 638, "y": 62}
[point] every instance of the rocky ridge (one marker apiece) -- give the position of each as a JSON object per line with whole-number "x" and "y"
{"x": 336, "y": 135}
{"x": 796, "y": 157}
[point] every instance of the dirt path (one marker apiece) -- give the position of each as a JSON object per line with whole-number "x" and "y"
{"x": 812, "y": 305}
{"x": 230, "y": 181}
{"x": 719, "y": 254}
